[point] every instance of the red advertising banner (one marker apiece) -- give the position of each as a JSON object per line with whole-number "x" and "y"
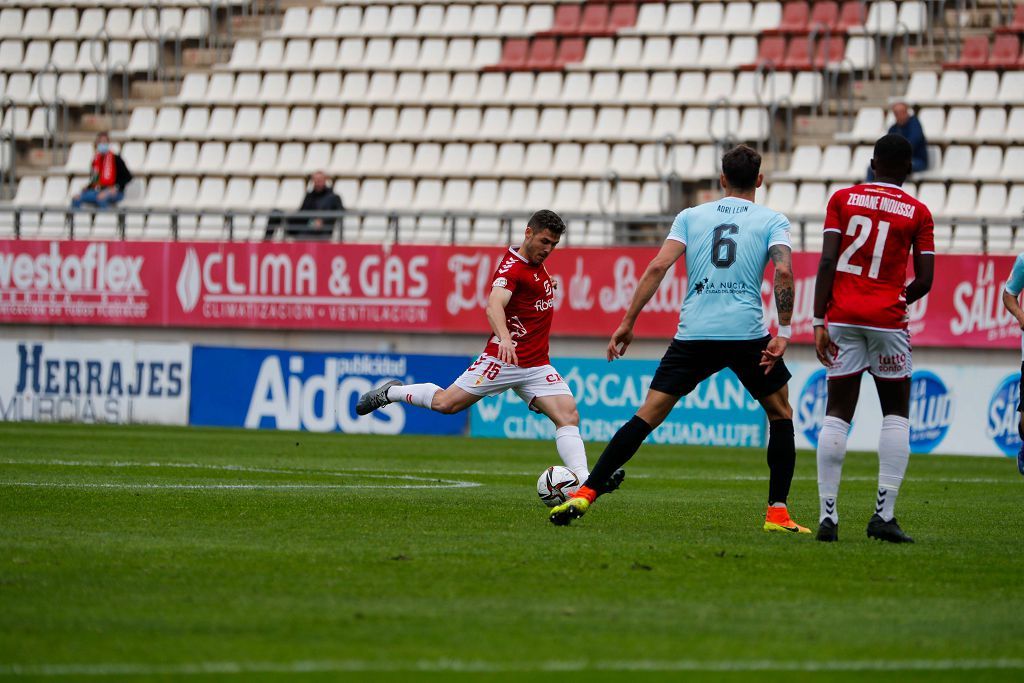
{"x": 413, "y": 288}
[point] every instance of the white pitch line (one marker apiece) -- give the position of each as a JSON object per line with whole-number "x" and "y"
{"x": 376, "y": 473}
{"x": 428, "y": 482}
{"x": 483, "y": 666}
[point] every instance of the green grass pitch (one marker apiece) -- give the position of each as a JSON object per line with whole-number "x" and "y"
{"x": 158, "y": 554}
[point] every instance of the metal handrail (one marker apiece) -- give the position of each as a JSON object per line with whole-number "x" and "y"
{"x": 397, "y": 220}
{"x": 899, "y": 84}
{"x": 123, "y": 70}
{"x": 9, "y": 179}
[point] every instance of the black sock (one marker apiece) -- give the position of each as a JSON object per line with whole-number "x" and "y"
{"x": 619, "y": 450}
{"x": 781, "y": 459}
{"x": 1020, "y": 429}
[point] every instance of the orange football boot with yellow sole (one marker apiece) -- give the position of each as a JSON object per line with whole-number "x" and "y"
{"x": 778, "y": 519}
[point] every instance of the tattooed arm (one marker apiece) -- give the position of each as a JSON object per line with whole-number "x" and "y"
{"x": 782, "y": 257}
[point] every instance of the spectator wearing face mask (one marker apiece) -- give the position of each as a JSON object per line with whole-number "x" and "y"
{"x": 108, "y": 179}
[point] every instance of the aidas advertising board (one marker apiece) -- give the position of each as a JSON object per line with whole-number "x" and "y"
{"x": 718, "y": 412}
{"x": 94, "y": 382}
{"x": 317, "y": 392}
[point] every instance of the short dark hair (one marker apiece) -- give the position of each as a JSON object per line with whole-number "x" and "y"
{"x": 741, "y": 165}
{"x": 892, "y": 156}
{"x": 546, "y": 220}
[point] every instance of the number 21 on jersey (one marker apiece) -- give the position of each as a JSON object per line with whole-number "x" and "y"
{"x": 860, "y": 228}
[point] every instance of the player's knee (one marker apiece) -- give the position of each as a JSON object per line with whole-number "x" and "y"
{"x": 446, "y": 406}
{"x": 782, "y": 411}
{"x": 569, "y": 418}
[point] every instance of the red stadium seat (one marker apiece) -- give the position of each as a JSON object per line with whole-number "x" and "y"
{"x": 794, "y": 17}
{"x": 1016, "y": 24}
{"x": 772, "y": 50}
{"x": 623, "y": 15}
{"x": 829, "y": 51}
{"x": 824, "y": 15}
{"x": 594, "y": 19}
{"x": 542, "y": 54}
{"x": 571, "y": 50}
{"x": 567, "y": 19}
{"x": 974, "y": 54}
{"x": 513, "y": 55}
{"x": 1005, "y": 52}
{"x": 851, "y": 15}
{"x": 798, "y": 54}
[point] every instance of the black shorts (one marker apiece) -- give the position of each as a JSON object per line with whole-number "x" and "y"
{"x": 688, "y": 363}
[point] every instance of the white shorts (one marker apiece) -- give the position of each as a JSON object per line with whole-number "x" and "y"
{"x": 883, "y": 353}
{"x": 488, "y": 376}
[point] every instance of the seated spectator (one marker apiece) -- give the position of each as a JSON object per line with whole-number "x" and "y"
{"x": 108, "y": 178}
{"x": 321, "y": 197}
{"x": 909, "y": 127}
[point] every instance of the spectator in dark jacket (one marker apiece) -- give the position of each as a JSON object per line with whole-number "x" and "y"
{"x": 909, "y": 127}
{"x": 108, "y": 179}
{"x": 321, "y": 197}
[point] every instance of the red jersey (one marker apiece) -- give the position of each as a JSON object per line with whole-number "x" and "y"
{"x": 879, "y": 223}
{"x": 530, "y": 310}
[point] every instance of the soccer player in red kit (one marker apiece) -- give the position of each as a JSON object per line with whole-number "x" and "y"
{"x": 519, "y": 309}
{"x": 870, "y": 231}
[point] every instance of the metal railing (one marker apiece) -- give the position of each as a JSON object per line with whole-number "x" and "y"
{"x": 405, "y": 226}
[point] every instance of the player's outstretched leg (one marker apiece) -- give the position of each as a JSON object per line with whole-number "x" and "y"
{"x": 781, "y": 462}
{"x": 451, "y": 400}
{"x": 376, "y": 398}
{"x": 607, "y": 474}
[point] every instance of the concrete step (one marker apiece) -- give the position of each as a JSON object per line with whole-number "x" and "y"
{"x": 150, "y": 91}
{"x": 200, "y": 57}
{"x": 95, "y": 123}
{"x": 804, "y": 126}
{"x": 41, "y": 159}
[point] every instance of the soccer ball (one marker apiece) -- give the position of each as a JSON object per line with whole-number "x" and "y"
{"x": 556, "y": 484}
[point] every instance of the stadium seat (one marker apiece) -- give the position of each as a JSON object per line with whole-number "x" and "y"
{"x": 984, "y": 88}
{"x": 1015, "y": 125}
{"x": 1013, "y": 164}
{"x": 794, "y": 17}
{"x": 1005, "y": 52}
{"x": 973, "y": 54}
{"x": 852, "y": 15}
{"x": 1016, "y": 23}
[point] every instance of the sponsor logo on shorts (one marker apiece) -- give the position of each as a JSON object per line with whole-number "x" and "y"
{"x": 554, "y": 378}
{"x": 1001, "y": 425}
{"x": 932, "y": 406}
{"x": 810, "y": 407}
{"x": 892, "y": 364}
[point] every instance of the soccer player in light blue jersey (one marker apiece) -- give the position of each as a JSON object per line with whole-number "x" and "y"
{"x": 727, "y": 244}
{"x": 1011, "y": 294}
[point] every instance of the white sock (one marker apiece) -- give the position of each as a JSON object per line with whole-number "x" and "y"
{"x": 893, "y": 456}
{"x": 831, "y": 452}
{"x": 572, "y": 451}
{"x": 414, "y": 394}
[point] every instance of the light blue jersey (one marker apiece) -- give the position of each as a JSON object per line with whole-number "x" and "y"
{"x": 1015, "y": 284}
{"x": 727, "y": 245}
